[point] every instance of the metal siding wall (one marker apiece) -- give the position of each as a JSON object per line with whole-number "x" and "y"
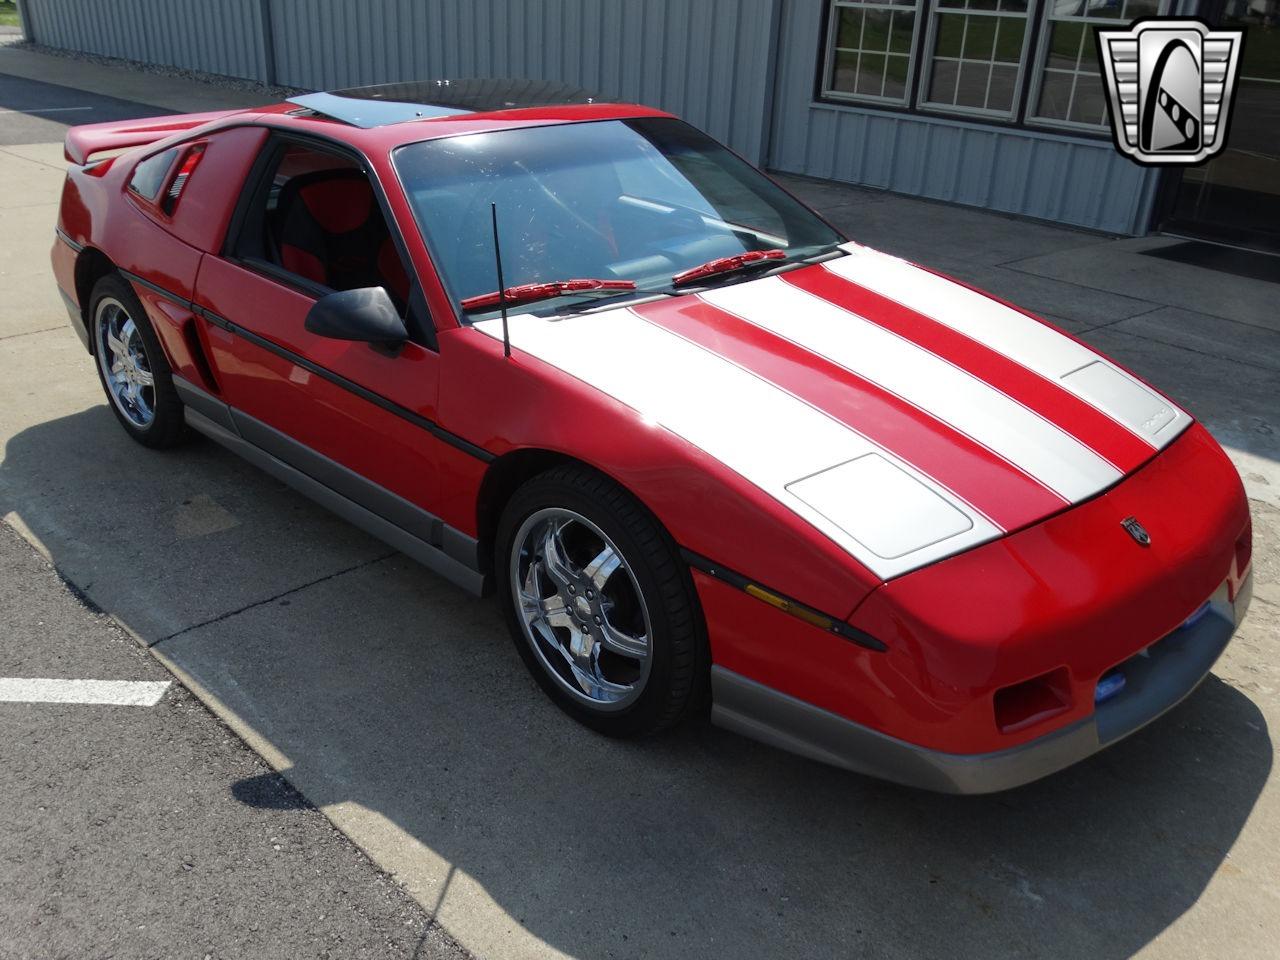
{"x": 703, "y": 59}
{"x": 224, "y": 37}
{"x": 707, "y": 60}
{"x": 1068, "y": 179}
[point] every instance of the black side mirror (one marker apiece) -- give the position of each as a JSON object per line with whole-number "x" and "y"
{"x": 366, "y": 314}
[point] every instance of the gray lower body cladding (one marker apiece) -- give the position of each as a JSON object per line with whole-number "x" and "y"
{"x": 374, "y": 509}
{"x": 1157, "y": 679}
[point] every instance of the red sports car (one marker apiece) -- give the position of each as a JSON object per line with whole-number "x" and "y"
{"x": 704, "y": 447}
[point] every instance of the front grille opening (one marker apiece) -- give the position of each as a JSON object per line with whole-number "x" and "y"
{"x": 1033, "y": 701}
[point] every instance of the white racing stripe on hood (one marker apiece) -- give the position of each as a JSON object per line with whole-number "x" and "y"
{"x": 753, "y": 427}
{"x": 1023, "y": 339}
{"x": 1023, "y": 437}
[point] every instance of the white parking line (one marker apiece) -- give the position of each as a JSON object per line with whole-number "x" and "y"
{"x": 124, "y": 693}
{"x": 48, "y": 110}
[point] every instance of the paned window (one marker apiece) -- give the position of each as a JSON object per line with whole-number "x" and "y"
{"x": 1069, "y": 90}
{"x": 977, "y": 48}
{"x": 871, "y": 50}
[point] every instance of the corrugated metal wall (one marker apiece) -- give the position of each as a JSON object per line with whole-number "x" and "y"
{"x": 1073, "y": 180}
{"x": 703, "y": 59}
{"x": 741, "y": 69}
{"x": 698, "y": 58}
{"x": 221, "y": 37}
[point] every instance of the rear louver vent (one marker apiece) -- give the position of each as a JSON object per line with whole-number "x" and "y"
{"x": 189, "y": 164}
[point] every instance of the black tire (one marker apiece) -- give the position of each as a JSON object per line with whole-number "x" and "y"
{"x": 167, "y": 426}
{"x": 677, "y": 680}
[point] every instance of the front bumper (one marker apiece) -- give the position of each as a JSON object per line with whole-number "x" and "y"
{"x": 1157, "y": 679}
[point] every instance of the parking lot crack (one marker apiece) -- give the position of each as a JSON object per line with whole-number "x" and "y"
{"x": 42, "y": 163}
{"x": 1133, "y": 316}
{"x": 32, "y": 333}
{"x": 272, "y": 599}
{"x": 1158, "y": 303}
{"x": 1182, "y": 346}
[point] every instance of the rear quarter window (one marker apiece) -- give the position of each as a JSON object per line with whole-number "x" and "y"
{"x": 149, "y": 175}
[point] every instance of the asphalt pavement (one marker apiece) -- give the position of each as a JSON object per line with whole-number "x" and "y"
{"x": 36, "y": 112}
{"x": 153, "y": 831}
{"x": 397, "y": 707}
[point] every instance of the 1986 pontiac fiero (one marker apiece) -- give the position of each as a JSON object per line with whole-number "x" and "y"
{"x": 703, "y": 446}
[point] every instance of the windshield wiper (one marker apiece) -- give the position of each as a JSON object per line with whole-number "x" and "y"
{"x": 532, "y": 292}
{"x": 741, "y": 261}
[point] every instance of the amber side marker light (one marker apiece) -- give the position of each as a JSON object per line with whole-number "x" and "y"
{"x": 779, "y": 602}
{"x": 787, "y": 606}
{"x": 1244, "y": 557}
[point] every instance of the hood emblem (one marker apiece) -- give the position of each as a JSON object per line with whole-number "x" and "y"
{"x": 1137, "y": 531}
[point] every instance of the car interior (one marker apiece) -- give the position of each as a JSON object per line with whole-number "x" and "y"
{"x": 320, "y": 220}
{"x": 636, "y": 200}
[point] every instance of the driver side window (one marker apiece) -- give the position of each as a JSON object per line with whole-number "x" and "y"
{"x": 314, "y": 216}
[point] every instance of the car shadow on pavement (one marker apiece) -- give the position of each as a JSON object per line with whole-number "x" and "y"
{"x": 400, "y": 702}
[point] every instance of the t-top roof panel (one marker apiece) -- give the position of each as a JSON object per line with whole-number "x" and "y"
{"x": 388, "y": 103}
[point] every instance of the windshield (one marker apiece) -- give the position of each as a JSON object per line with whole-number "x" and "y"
{"x": 642, "y": 200}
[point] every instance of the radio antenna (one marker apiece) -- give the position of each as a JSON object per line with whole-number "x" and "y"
{"x": 502, "y": 284}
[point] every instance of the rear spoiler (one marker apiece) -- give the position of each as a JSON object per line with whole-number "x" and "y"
{"x": 83, "y": 142}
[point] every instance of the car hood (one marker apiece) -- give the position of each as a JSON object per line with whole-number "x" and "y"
{"x": 904, "y": 415}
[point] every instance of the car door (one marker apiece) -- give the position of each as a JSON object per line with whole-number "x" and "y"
{"x": 356, "y": 417}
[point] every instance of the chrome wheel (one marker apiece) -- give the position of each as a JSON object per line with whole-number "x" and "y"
{"x": 126, "y": 369}
{"x": 580, "y": 608}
